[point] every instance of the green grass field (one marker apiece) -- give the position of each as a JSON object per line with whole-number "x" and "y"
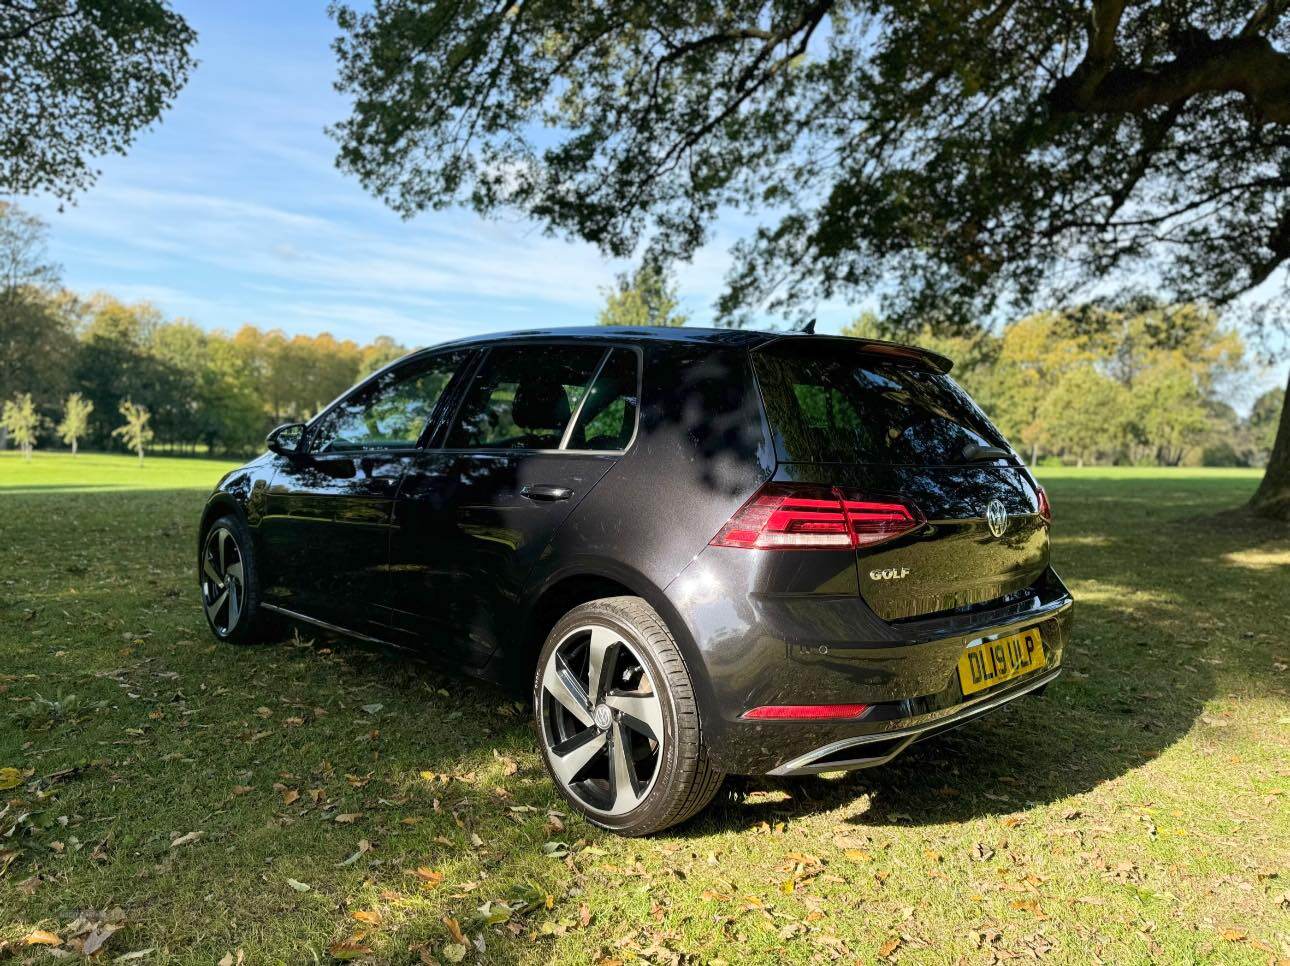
{"x": 314, "y": 799}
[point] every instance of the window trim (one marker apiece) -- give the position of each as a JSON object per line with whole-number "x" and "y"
{"x": 450, "y": 419}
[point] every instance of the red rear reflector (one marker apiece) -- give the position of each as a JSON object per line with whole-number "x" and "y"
{"x": 807, "y": 711}
{"x": 1045, "y": 509}
{"x": 793, "y": 516}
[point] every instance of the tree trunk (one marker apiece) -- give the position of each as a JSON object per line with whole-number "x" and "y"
{"x": 1272, "y": 498}
{"x": 73, "y": 446}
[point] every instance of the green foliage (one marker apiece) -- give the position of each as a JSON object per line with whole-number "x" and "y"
{"x": 80, "y": 80}
{"x": 646, "y": 297}
{"x": 135, "y": 431}
{"x": 20, "y": 420}
{"x": 1144, "y": 383}
{"x": 1266, "y": 416}
{"x": 952, "y": 156}
{"x": 76, "y": 420}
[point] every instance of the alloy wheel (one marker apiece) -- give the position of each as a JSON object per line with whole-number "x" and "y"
{"x": 601, "y": 720}
{"x": 223, "y": 583}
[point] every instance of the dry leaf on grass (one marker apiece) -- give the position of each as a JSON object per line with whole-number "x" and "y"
{"x": 41, "y": 937}
{"x": 188, "y": 839}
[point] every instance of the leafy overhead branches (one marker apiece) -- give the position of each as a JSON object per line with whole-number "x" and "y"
{"x": 80, "y": 79}
{"x": 955, "y": 155}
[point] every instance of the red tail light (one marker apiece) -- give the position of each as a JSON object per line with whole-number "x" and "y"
{"x": 1045, "y": 509}
{"x": 801, "y": 712}
{"x": 794, "y": 516}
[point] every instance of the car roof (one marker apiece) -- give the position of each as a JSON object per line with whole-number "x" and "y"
{"x": 692, "y": 335}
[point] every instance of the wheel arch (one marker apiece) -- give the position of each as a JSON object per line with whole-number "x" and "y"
{"x": 580, "y": 583}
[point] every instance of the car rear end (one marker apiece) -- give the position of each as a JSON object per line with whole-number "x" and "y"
{"x": 889, "y": 581}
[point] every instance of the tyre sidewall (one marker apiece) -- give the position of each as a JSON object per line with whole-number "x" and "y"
{"x": 657, "y": 802}
{"x": 244, "y": 631}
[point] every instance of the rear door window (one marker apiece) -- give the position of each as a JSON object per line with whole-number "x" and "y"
{"x": 523, "y": 397}
{"x": 607, "y": 419}
{"x": 828, "y": 402}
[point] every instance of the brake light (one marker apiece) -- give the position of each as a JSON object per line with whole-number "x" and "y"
{"x": 795, "y": 516}
{"x": 1045, "y": 509}
{"x": 801, "y": 712}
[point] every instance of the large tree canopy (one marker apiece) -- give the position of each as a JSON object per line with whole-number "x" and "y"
{"x": 79, "y": 79}
{"x": 949, "y": 153}
{"x": 959, "y": 159}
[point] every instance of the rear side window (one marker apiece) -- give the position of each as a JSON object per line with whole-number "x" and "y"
{"x": 523, "y": 397}
{"x": 830, "y": 403}
{"x": 607, "y": 419}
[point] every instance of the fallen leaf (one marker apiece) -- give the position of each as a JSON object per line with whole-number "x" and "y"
{"x": 40, "y": 937}
{"x": 289, "y": 796}
{"x": 188, "y": 839}
{"x": 373, "y": 708}
{"x": 348, "y": 818}
{"x": 298, "y": 885}
{"x": 454, "y": 952}
{"x": 1234, "y": 935}
{"x": 889, "y": 947}
{"x": 454, "y": 930}
{"x": 10, "y": 778}
{"x": 369, "y": 916}
{"x": 428, "y": 875}
{"x": 348, "y": 950}
{"x": 364, "y": 847}
{"x": 97, "y": 937}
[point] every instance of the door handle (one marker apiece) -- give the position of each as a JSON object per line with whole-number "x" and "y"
{"x": 545, "y": 493}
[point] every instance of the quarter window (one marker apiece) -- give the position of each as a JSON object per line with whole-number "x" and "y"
{"x": 389, "y": 412}
{"x": 523, "y": 397}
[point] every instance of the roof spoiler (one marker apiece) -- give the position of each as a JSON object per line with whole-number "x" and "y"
{"x": 877, "y": 347}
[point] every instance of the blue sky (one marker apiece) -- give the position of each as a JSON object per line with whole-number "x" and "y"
{"x": 231, "y": 211}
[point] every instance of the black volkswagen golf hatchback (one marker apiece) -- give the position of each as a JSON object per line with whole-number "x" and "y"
{"x": 703, "y": 552}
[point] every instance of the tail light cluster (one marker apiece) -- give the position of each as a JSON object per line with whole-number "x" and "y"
{"x": 1045, "y": 509}
{"x": 801, "y": 516}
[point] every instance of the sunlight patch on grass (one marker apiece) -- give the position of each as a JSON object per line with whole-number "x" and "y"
{"x": 1258, "y": 559}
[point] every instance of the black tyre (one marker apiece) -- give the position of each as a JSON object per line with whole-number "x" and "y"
{"x": 230, "y": 582}
{"x": 617, "y": 719}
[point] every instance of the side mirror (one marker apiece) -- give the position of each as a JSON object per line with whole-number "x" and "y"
{"x": 286, "y": 439}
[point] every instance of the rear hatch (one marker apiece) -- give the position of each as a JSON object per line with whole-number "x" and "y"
{"x": 883, "y": 426}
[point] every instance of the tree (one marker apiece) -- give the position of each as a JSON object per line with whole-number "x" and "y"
{"x": 81, "y": 78}
{"x": 36, "y": 339}
{"x": 135, "y": 431}
{"x": 76, "y": 420}
{"x": 646, "y": 297}
{"x": 960, "y": 159}
{"x": 22, "y": 422}
{"x": 1264, "y": 416}
{"x": 1085, "y": 414}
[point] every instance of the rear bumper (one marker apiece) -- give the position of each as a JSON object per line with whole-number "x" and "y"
{"x": 760, "y": 649}
{"x": 866, "y": 751}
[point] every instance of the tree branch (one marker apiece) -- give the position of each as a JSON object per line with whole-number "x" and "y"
{"x": 1248, "y": 65}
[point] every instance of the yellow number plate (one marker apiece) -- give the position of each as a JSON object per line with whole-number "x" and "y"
{"x": 985, "y": 665}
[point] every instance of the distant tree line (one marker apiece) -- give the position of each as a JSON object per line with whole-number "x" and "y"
{"x": 1146, "y": 383}
{"x": 201, "y": 390}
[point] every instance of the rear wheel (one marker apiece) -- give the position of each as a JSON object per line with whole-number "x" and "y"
{"x": 230, "y": 584}
{"x": 617, "y": 719}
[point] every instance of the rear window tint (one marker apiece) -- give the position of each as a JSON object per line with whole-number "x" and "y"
{"x": 830, "y": 403}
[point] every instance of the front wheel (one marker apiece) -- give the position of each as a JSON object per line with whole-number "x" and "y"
{"x": 617, "y": 719}
{"x": 230, "y": 582}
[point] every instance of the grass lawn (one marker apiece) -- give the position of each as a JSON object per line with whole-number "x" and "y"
{"x": 316, "y": 799}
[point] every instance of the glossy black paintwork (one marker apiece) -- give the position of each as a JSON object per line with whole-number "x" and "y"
{"x": 438, "y": 550}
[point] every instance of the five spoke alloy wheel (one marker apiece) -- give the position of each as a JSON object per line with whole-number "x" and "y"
{"x": 223, "y": 580}
{"x": 601, "y": 719}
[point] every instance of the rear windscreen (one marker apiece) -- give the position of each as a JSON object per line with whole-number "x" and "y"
{"x": 829, "y": 402}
